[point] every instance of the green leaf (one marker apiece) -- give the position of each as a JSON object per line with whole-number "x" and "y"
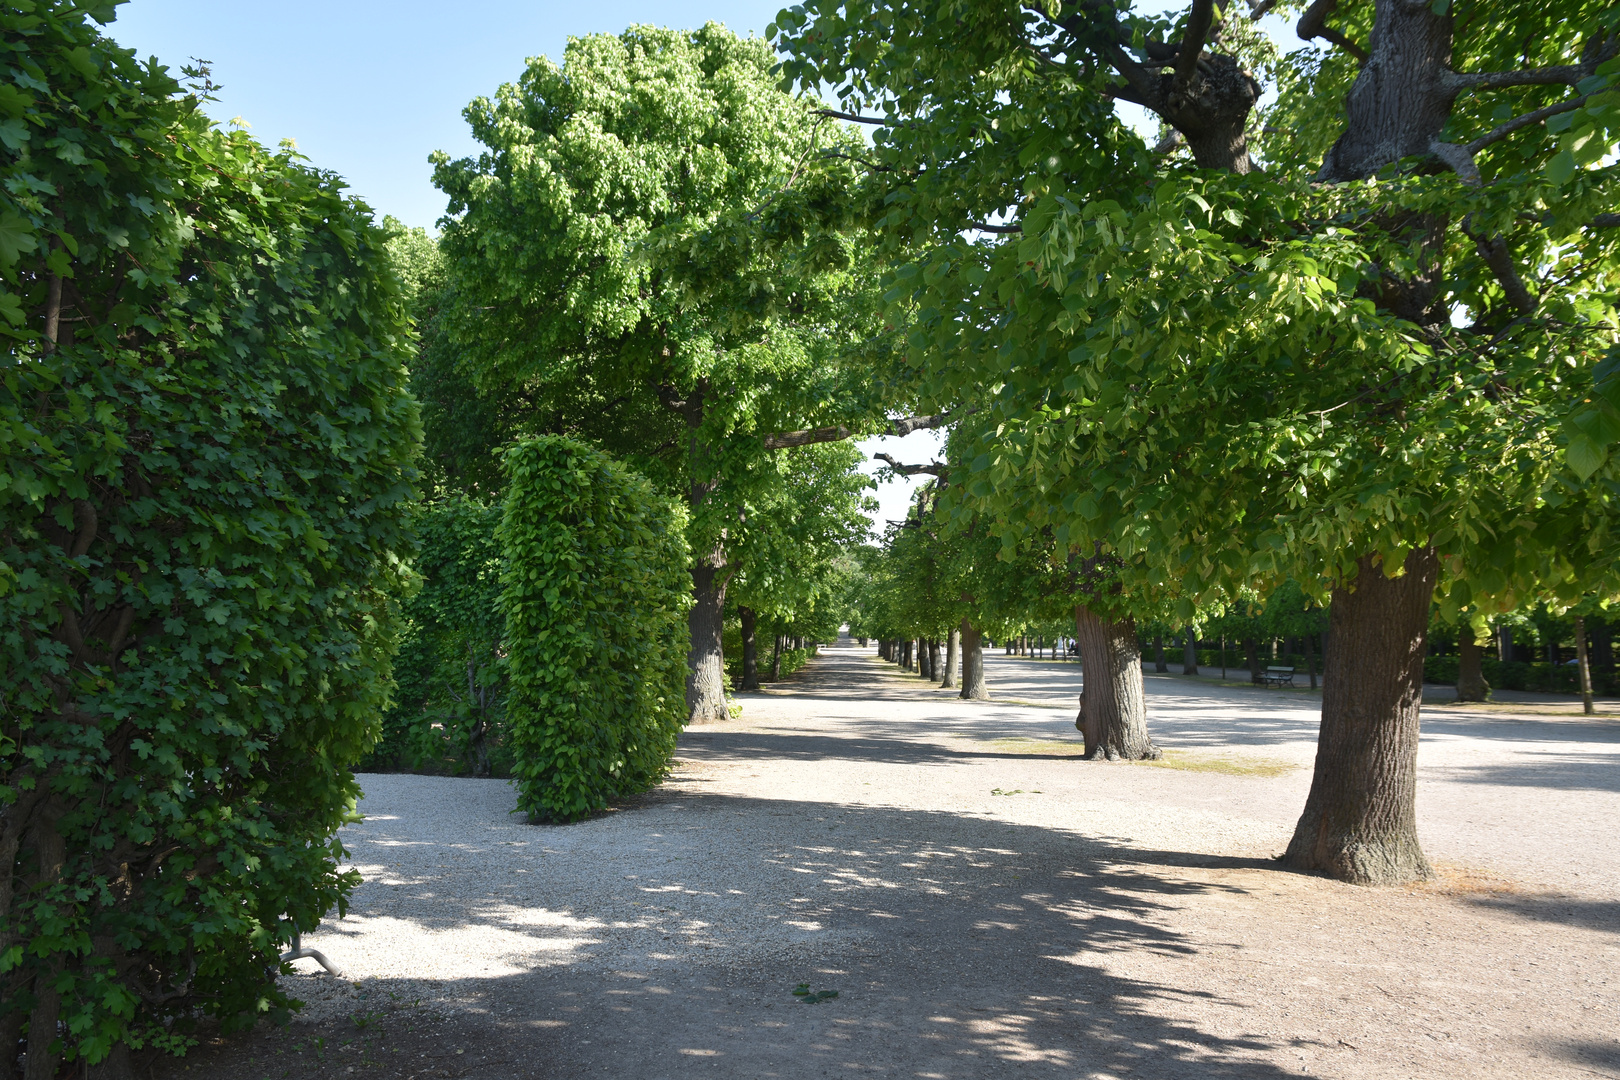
{"x": 1561, "y": 168}
{"x": 1584, "y": 456}
{"x": 16, "y": 238}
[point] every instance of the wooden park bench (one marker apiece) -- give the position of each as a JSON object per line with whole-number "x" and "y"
{"x": 1275, "y": 676}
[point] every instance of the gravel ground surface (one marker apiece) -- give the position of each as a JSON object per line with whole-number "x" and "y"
{"x": 984, "y": 903}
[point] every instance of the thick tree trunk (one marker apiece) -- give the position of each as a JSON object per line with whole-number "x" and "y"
{"x": 1189, "y": 651}
{"x": 1113, "y": 709}
{"x": 953, "y": 647}
{"x": 1471, "y": 684}
{"x": 1251, "y": 657}
{"x": 974, "y": 687}
{"x": 1360, "y": 819}
{"x": 706, "y": 668}
{"x": 905, "y": 655}
{"x": 750, "y": 647}
{"x": 933, "y": 659}
{"x": 1159, "y": 664}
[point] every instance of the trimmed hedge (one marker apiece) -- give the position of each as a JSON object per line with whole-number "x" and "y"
{"x": 595, "y": 594}
{"x": 203, "y": 490}
{"x": 1516, "y": 675}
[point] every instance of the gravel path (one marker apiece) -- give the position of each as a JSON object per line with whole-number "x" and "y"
{"x": 985, "y": 903}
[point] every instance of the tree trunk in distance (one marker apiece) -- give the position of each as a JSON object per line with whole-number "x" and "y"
{"x": 750, "y": 624}
{"x": 706, "y": 667}
{"x": 1113, "y": 709}
{"x": 776, "y": 659}
{"x": 1360, "y": 819}
{"x": 1223, "y": 658}
{"x": 1310, "y": 657}
{"x": 973, "y": 684}
{"x": 905, "y": 655}
{"x": 1552, "y": 649}
{"x": 1504, "y": 645}
{"x": 1603, "y": 647}
{"x": 933, "y": 659}
{"x": 953, "y": 655}
{"x": 1158, "y": 654}
{"x": 1189, "y": 651}
{"x": 1251, "y": 652}
{"x": 1471, "y": 684}
{"x": 1586, "y": 669}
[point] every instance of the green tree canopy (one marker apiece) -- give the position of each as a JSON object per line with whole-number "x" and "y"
{"x": 1358, "y": 334}
{"x": 652, "y": 253}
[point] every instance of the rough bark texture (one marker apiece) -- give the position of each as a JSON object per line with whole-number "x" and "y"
{"x": 1113, "y": 709}
{"x": 1402, "y": 95}
{"x": 953, "y": 653}
{"x": 706, "y": 668}
{"x": 750, "y": 647}
{"x": 1360, "y": 819}
{"x": 1189, "y": 652}
{"x": 974, "y": 687}
{"x": 1471, "y": 684}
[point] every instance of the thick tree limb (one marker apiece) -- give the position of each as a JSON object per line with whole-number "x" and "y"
{"x": 936, "y": 469}
{"x": 1502, "y": 131}
{"x": 1199, "y": 20}
{"x": 1459, "y": 159}
{"x": 1169, "y": 143}
{"x": 854, "y": 118}
{"x": 1313, "y": 24}
{"x": 1604, "y": 221}
{"x": 903, "y": 426}
{"x": 1566, "y": 75}
{"x": 1496, "y": 255}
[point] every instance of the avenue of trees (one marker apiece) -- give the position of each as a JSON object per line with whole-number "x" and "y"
{"x": 1360, "y": 338}
{"x": 284, "y": 491}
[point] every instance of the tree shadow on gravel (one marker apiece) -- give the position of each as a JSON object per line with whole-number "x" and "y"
{"x": 961, "y": 947}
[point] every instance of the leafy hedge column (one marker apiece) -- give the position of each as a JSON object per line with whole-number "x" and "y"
{"x": 596, "y": 595}
{"x": 205, "y": 458}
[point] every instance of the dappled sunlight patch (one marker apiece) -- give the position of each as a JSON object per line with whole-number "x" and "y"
{"x": 1228, "y": 764}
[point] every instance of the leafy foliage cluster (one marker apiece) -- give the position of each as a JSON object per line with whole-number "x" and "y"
{"x": 595, "y": 595}
{"x": 448, "y": 713}
{"x": 205, "y": 459}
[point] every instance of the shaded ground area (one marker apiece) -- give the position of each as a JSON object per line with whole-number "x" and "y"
{"x": 984, "y": 903}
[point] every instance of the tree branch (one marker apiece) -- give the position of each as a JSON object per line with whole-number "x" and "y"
{"x": 1313, "y": 24}
{"x": 936, "y": 469}
{"x": 982, "y": 226}
{"x": 1604, "y": 221}
{"x": 1496, "y": 255}
{"x": 853, "y": 117}
{"x": 1565, "y": 75}
{"x": 1199, "y": 19}
{"x": 1502, "y": 131}
{"x": 896, "y": 428}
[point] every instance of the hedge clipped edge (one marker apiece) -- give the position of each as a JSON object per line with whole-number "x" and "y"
{"x": 595, "y": 593}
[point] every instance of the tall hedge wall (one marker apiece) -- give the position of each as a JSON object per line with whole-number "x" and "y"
{"x": 205, "y": 452}
{"x": 595, "y": 596}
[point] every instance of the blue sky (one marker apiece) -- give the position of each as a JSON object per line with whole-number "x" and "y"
{"x": 369, "y": 88}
